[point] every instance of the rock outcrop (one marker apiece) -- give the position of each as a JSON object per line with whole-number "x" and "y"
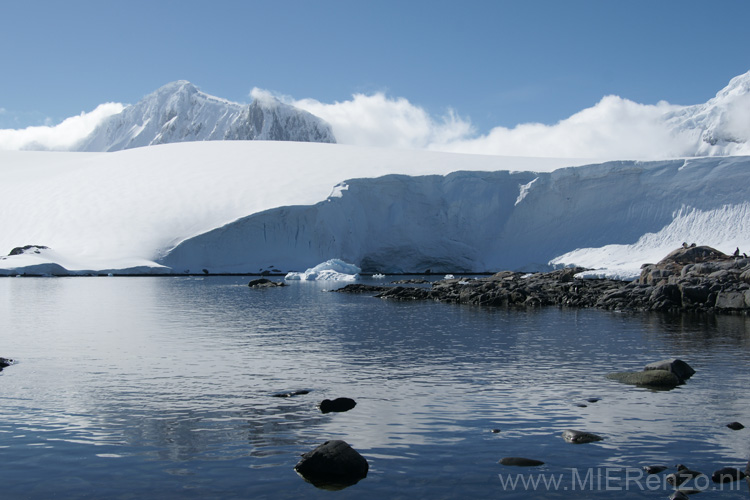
{"x": 690, "y": 279}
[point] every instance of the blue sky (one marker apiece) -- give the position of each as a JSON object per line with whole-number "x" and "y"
{"x": 495, "y": 63}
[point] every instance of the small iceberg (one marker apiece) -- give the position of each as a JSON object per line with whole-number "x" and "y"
{"x": 330, "y": 270}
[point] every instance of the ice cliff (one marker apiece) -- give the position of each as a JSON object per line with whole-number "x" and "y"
{"x": 621, "y": 213}
{"x": 179, "y": 112}
{"x": 251, "y": 206}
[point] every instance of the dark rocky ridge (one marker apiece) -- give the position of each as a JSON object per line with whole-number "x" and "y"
{"x": 690, "y": 279}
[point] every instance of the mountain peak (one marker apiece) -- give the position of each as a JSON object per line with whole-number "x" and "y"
{"x": 739, "y": 85}
{"x": 179, "y": 112}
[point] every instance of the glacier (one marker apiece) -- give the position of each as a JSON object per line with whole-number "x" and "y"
{"x": 123, "y": 211}
{"x": 255, "y": 206}
{"x": 612, "y": 217}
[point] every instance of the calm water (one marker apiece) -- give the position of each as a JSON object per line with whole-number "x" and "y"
{"x": 161, "y": 388}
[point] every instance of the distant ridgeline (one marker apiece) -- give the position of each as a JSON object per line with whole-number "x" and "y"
{"x": 179, "y": 112}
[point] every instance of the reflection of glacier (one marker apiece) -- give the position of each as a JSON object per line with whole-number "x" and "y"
{"x": 486, "y": 221}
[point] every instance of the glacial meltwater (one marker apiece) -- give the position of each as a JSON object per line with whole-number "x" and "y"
{"x": 163, "y": 388}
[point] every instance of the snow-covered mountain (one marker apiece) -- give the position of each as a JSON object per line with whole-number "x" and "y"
{"x": 721, "y": 126}
{"x": 179, "y": 112}
{"x": 285, "y": 205}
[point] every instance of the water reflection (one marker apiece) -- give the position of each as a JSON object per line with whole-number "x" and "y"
{"x": 182, "y": 372}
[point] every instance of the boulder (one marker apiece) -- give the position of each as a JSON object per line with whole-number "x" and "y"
{"x": 655, "y": 379}
{"x": 520, "y": 462}
{"x": 735, "y": 426}
{"x": 337, "y": 405}
{"x": 730, "y": 300}
{"x": 332, "y": 465}
{"x": 693, "y": 254}
{"x": 579, "y": 437}
{"x": 682, "y": 370}
{"x": 5, "y": 362}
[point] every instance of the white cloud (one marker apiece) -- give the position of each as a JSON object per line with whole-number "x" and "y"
{"x": 613, "y": 128}
{"x": 57, "y": 137}
{"x": 377, "y": 120}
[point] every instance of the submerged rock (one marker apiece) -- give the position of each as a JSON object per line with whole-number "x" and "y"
{"x": 290, "y": 394}
{"x": 654, "y": 379}
{"x": 337, "y": 405}
{"x": 654, "y": 469}
{"x": 683, "y": 474}
{"x": 520, "y": 462}
{"x": 333, "y": 465}
{"x": 735, "y": 426}
{"x": 678, "y": 495}
{"x": 727, "y": 475}
{"x": 580, "y": 437}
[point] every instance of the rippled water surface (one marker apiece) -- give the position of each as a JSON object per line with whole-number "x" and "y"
{"x": 162, "y": 388}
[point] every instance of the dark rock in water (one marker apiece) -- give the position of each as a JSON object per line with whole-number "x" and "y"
{"x": 580, "y": 437}
{"x": 333, "y": 465}
{"x": 265, "y": 283}
{"x": 520, "y": 462}
{"x": 683, "y": 474}
{"x": 727, "y": 475}
{"x": 337, "y": 405}
{"x": 495, "y": 431}
{"x": 654, "y": 469}
{"x": 682, "y": 370}
{"x": 654, "y": 379}
{"x": 735, "y": 426}
{"x": 581, "y": 405}
{"x": 593, "y": 400}
{"x": 5, "y": 362}
{"x": 290, "y": 394}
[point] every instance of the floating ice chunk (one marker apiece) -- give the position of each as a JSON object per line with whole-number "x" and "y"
{"x": 378, "y": 276}
{"x": 330, "y": 270}
{"x": 449, "y": 277}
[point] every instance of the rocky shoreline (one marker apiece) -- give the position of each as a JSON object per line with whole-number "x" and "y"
{"x": 689, "y": 279}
